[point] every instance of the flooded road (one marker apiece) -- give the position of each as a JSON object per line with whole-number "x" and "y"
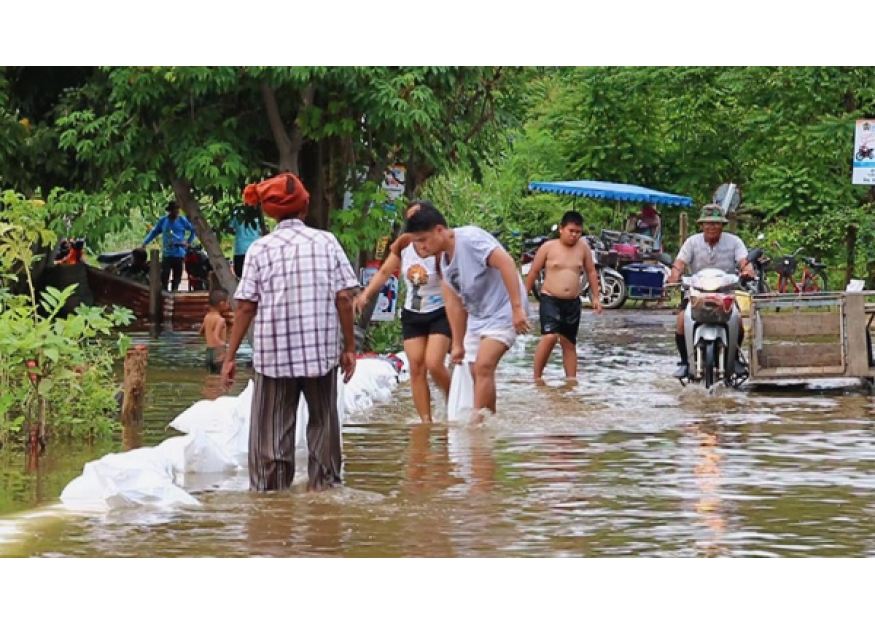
{"x": 625, "y": 462}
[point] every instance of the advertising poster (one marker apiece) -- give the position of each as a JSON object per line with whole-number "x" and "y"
{"x": 393, "y": 182}
{"x": 864, "y": 152}
{"x": 387, "y": 301}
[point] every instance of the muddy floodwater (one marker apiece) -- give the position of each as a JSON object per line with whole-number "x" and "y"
{"x": 625, "y": 462}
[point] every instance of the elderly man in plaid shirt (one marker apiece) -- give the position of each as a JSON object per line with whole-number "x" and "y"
{"x": 298, "y": 286}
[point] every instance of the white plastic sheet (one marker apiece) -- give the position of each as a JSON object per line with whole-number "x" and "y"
{"x": 460, "y": 402}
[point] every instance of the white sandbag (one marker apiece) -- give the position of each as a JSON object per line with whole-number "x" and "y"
{"x": 236, "y": 441}
{"x": 133, "y": 478}
{"x": 197, "y": 453}
{"x": 460, "y": 403}
{"x": 374, "y": 380}
{"x": 404, "y": 373}
{"x": 208, "y": 415}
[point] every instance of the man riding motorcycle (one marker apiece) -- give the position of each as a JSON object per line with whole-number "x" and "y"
{"x": 711, "y": 248}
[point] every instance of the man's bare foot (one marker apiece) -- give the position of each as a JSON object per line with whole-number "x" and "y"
{"x": 540, "y": 382}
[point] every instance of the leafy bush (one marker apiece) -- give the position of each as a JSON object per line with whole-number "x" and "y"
{"x": 54, "y": 371}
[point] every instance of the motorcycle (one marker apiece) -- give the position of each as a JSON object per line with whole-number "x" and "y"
{"x": 530, "y": 249}
{"x": 117, "y": 260}
{"x": 611, "y": 282}
{"x": 865, "y": 152}
{"x": 711, "y": 326}
{"x": 198, "y": 268}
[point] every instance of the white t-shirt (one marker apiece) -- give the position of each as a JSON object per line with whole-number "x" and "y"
{"x": 478, "y": 285}
{"x": 424, "y": 293}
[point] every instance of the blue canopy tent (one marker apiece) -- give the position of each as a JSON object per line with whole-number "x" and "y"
{"x": 616, "y": 191}
{"x": 611, "y": 191}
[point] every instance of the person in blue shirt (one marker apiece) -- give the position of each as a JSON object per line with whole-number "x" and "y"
{"x": 247, "y": 224}
{"x": 172, "y": 227}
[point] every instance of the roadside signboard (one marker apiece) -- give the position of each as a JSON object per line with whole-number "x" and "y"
{"x": 864, "y": 152}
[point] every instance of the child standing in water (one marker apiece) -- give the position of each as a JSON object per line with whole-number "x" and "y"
{"x": 215, "y": 330}
{"x": 563, "y": 260}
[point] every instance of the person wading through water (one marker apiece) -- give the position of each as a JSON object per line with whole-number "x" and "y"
{"x": 298, "y": 287}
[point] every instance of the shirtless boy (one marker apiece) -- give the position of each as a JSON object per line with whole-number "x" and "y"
{"x": 563, "y": 261}
{"x": 215, "y": 330}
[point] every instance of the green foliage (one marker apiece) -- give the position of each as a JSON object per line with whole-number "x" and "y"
{"x": 472, "y": 139}
{"x": 369, "y": 218}
{"x": 384, "y": 337}
{"x": 54, "y": 369}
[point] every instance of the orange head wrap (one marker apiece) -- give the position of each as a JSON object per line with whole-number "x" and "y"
{"x": 280, "y": 197}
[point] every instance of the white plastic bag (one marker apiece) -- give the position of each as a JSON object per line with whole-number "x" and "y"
{"x": 460, "y": 403}
{"x": 855, "y": 286}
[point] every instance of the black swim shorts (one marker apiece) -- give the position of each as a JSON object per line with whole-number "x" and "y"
{"x": 560, "y": 316}
{"x": 415, "y": 324}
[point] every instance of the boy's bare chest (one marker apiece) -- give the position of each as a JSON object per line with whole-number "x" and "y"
{"x": 565, "y": 259}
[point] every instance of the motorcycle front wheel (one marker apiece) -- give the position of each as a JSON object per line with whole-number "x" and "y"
{"x": 710, "y": 368}
{"x": 613, "y": 293}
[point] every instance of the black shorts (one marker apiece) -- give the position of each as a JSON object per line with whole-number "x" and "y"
{"x": 560, "y": 316}
{"x": 414, "y": 324}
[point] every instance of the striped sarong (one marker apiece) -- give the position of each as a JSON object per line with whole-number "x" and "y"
{"x": 272, "y": 432}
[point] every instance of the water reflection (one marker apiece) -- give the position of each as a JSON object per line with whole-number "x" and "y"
{"x": 624, "y": 462}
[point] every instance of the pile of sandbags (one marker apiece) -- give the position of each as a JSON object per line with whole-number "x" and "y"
{"x": 215, "y": 441}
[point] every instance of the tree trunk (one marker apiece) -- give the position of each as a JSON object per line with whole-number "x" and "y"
{"x": 312, "y": 174}
{"x": 205, "y": 233}
{"x": 136, "y": 364}
{"x": 288, "y": 146}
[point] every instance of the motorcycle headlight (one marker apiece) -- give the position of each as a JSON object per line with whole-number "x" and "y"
{"x": 710, "y": 283}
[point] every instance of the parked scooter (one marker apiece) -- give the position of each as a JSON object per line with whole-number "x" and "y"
{"x": 611, "y": 282}
{"x": 761, "y": 264}
{"x": 198, "y": 268}
{"x": 530, "y": 249}
{"x": 116, "y": 260}
{"x": 711, "y": 327}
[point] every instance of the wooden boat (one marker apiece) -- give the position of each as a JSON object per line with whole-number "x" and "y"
{"x": 109, "y": 289}
{"x": 179, "y": 308}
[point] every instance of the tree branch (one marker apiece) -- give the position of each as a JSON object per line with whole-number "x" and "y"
{"x": 280, "y": 136}
{"x": 306, "y": 101}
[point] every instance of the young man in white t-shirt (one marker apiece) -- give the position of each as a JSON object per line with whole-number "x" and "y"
{"x": 483, "y": 294}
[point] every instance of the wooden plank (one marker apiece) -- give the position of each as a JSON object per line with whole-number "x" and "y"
{"x": 801, "y": 324}
{"x": 798, "y": 372}
{"x": 795, "y": 356}
{"x": 855, "y": 328}
{"x": 154, "y": 286}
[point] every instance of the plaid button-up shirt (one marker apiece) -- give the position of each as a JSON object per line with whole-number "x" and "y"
{"x": 293, "y": 275}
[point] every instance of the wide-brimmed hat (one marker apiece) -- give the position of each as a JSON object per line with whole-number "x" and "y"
{"x": 712, "y": 214}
